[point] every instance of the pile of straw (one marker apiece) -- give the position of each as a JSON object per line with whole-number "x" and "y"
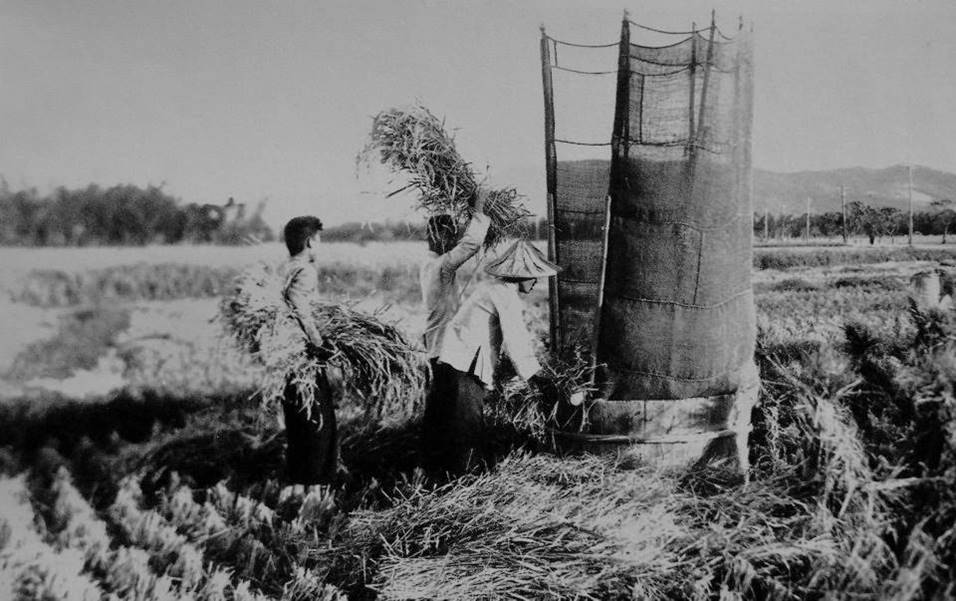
{"x": 536, "y": 527}
{"x": 376, "y": 364}
{"x": 413, "y": 141}
{"x": 603, "y": 527}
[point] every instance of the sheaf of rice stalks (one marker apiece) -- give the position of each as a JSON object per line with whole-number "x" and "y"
{"x": 413, "y": 141}
{"x": 377, "y": 365}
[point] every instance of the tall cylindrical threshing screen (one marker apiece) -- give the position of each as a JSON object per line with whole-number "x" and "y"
{"x": 676, "y": 324}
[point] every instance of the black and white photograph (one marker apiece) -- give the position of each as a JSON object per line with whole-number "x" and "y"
{"x": 477, "y": 300}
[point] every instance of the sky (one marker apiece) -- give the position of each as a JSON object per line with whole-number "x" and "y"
{"x": 272, "y": 100}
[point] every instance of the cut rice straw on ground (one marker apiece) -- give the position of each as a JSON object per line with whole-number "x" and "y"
{"x": 542, "y": 526}
{"x": 378, "y": 367}
{"x": 414, "y": 142}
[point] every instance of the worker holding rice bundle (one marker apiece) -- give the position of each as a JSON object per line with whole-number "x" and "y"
{"x": 442, "y": 296}
{"x": 437, "y": 275}
{"x": 315, "y": 353}
{"x": 311, "y": 437}
{"x": 488, "y": 323}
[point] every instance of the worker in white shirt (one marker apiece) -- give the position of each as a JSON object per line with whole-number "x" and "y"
{"x": 488, "y": 323}
{"x": 442, "y": 297}
{"x": 437, "y": 273}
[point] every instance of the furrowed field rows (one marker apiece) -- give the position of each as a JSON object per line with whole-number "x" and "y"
{"x": 58, "y": 548}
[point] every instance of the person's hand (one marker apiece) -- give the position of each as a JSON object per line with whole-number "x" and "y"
{"x": 481, "y": 200}
{"x": 334, "y": 377}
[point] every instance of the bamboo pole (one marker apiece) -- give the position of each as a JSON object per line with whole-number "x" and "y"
{"x": 910, "y": 174}
{"x": 808, "y": 219}
{"x": 703, "y": 91}
{"x": 620, "y": 143}
{"x": 843, "y": 208}
{"x": 622, "y": 113}
{"x": 599, "y": 306}
{"x": 552, "y": 184}
{"x": 693, "y": 81}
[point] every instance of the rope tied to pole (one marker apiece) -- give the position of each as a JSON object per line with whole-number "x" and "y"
{"x": 577, "y": 45}
{"x": 692, "y": 31}
{"x": 574, "y": 143}
{"x": 579, "y": 72}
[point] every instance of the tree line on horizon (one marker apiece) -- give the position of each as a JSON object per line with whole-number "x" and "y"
{"x": 122, "y": 215}
{"x": 862, "y": 220}
{"x": 125, "y": 214}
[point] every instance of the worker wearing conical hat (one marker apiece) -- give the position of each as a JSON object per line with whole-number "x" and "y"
{"x": 488, "y": 323}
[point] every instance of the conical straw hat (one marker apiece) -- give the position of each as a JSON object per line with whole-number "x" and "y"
{"x": 522, "y": 261}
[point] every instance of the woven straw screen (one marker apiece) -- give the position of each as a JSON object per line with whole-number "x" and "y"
{"x": 677, "y": 315}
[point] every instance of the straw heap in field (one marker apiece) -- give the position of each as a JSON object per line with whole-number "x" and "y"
{"x": 376, "y": 363}
{"x": 414, "y": 141}
{"x": 603, "y": 527}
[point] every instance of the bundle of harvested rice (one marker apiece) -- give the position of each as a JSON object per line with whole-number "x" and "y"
{"x": 378, "y": 366}
{"x": 570, "y": 374}
{"x": 414, "y": 141}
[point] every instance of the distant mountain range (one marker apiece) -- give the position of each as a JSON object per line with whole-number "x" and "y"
{"x": 788, "y": 192}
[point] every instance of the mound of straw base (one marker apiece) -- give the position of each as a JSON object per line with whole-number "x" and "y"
{"x": 378, "y": 366}
{"x": 413, "y": 141}
{"x": 598, "y": 527}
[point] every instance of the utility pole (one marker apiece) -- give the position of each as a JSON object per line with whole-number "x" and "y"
{"x": 843, "y": 205}
{"x": 808, "y": 219}
{"x": 910, "y": 172}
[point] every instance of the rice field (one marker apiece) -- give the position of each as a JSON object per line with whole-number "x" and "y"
{"x": 167, "y": 482}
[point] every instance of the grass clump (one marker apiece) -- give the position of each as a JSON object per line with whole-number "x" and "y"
{"x": 795, "y": 285}
{"x": 873, "y": 283}
{"x": 908, "y": 400}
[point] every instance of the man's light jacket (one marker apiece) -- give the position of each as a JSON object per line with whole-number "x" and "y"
{"x": 487, "y": 324}
{"x": 301, "y": 287}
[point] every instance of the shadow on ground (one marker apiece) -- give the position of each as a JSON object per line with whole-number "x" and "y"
{"x": 203, "y": 441}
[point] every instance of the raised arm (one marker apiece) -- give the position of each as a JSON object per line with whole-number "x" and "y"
{"x": 469, "y": 244}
